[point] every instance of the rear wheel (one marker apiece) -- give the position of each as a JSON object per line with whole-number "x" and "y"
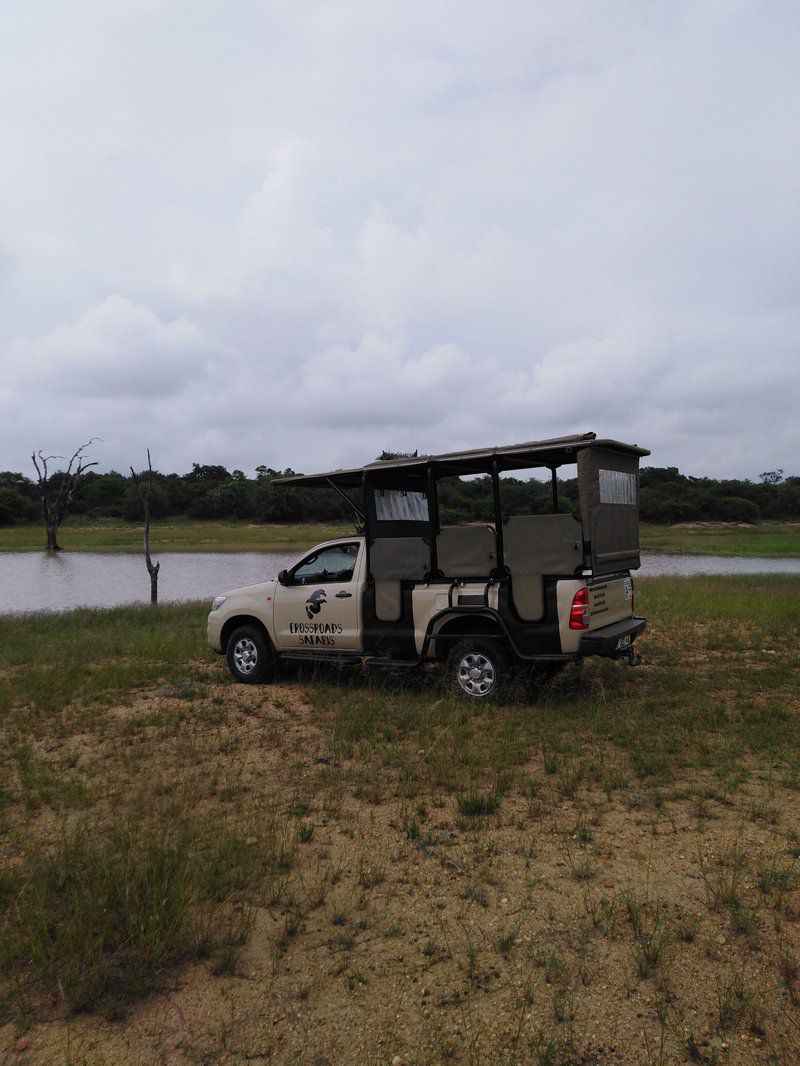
{"x": 478, "y": 669}
{"x": 249, "y": 656}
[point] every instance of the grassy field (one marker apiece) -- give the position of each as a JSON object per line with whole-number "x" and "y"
{"x": 344, "y": 870}
{"x": 184, "y": 535}
{"x": 770, "y": 539}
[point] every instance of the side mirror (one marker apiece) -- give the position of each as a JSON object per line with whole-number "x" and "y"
{"x": 283, "y": 577}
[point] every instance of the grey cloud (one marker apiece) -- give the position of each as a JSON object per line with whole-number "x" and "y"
{"x": 334, "y": 229}
{"x": 117, "y": 349}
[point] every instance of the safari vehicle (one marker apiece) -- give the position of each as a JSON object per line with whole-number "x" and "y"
{"x": 530, "y": 591}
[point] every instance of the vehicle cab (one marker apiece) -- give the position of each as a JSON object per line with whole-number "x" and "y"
{"x": 315, "y": 604}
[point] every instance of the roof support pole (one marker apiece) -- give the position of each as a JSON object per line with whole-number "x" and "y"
{"x": 554, "y": 483}
{"x": 433, "y": 517}
{"x": 360, "y": 519}
{"x": 368, "y": 522}
{"x": 498, "y": 513}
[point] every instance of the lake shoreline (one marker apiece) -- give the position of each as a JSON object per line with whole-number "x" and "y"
{"x": 774, "y": 540}
{"x": 37, "y": 582}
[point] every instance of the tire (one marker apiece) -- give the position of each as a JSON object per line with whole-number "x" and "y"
{"x": 478, "y": 670}
{"x": 249, "y": 655}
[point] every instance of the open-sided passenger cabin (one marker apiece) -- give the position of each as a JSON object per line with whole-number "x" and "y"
{"x": 408, "y": 545}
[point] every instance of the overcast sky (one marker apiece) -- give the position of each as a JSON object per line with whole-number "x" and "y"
{"x": 297, "y": 233}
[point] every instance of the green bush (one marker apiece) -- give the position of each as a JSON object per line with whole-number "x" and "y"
{"x": 737, "y": 509}
{"x": 14, "y": 507}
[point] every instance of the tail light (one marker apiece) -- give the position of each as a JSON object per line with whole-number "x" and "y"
{"x": 579, "y": 611}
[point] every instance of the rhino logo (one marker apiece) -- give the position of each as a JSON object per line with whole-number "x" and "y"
{"x": 314, "y": 602}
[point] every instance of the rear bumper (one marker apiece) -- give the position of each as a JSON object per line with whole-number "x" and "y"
{"x": 613, "y": 639}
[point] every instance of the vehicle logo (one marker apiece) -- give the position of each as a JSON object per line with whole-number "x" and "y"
{"x": 314, "y": 602}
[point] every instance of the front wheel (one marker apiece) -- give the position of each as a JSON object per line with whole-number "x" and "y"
{"x": 478, "y": 669}
{"x": 249, "y": 656}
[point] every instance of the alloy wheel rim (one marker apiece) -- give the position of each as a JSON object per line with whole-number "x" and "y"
{"x": 476, "y": 674}
{"x": 245, "y": 655}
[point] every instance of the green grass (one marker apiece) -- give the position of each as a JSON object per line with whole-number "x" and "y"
{"x": 767, "y": 539}
{"x": 473, "y": 805}
{"x": 52, "y": 665}
{"x": 131, "y": 840}
{"x": 772, "y": 540}
{"x": 720, "y": 680}
{"x": 117, "y": 865}
{"x": 99, "y": 917}
{"x": 175, "y": 534}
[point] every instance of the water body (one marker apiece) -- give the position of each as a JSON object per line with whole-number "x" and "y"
{"x": 654, "y": 565}
{"x": 37, "y": 581}
{"x": 59, "y": 581}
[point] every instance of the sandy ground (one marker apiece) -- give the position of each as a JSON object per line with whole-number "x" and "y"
{"x": 570, "y": 926}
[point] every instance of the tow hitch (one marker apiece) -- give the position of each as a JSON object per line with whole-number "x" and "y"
{"x": 633, "y": 658}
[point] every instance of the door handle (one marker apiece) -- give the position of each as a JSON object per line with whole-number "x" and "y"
{"x": 344, "y": 595}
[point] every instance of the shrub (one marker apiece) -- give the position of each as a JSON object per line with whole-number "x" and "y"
{"x": 475, "y": 804}
{"x": 14, "y": 507}
{"x": 738, "y": 509}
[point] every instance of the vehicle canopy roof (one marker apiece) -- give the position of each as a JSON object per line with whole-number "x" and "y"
{"x": 607, "y": 489}
{"x": 548, "y": 454}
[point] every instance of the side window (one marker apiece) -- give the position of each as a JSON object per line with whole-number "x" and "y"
{"x": 396, "y": 505}
{"x": 336, "y": 563}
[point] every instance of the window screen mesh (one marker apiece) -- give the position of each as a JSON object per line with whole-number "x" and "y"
{"x": 394, "y": 505}
{"x": 617, "y": 487}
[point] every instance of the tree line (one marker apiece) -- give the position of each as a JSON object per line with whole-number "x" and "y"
{"x": 214, "y": 492}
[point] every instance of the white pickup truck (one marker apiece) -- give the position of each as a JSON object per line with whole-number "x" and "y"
{"x": 531, "y": 591}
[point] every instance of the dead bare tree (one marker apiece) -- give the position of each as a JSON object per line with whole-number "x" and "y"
{"x": 144, "y": 500}
{"x": 57, "y": 490}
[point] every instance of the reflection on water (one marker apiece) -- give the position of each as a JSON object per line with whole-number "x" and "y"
{"x": 58, "y": 581}
{"x": 41, "y": 581}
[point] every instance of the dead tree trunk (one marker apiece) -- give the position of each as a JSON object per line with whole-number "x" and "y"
{"x": 51, "y": 532}
{"x": 144, "y": 500}
{"x": 57, "y": 490}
